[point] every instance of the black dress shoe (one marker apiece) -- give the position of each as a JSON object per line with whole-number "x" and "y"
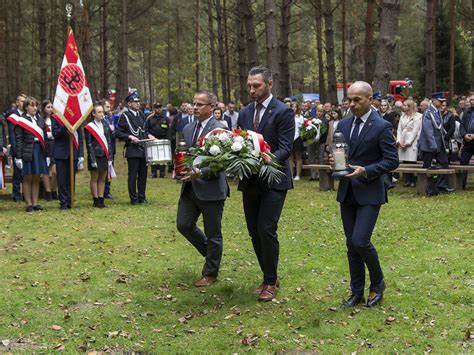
{"x": 134, "y": 202}
{"x": 143, "y": 201}
{"x": 376, "y": 295}
{"x": 353, "y": 301}
{"x": 30, "y": 209}
{"x": 64, "y": 207}
{"x": 445, "y": 189}
{"x": 38, "y": 208}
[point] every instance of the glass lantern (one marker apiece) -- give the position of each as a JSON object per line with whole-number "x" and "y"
{"x": 340, "y": 152}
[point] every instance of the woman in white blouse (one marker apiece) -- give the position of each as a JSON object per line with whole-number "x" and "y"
{"x": 407, "y": 137}
{"x": 295, "y": 157}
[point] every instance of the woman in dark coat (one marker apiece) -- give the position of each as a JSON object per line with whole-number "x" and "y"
{"x": 49, "y": 180}
{"x": 99, "y": 154}
{"x": 31, "y": 152}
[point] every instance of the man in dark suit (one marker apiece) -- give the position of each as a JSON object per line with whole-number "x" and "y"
{"x": 372, "y": 153}
{"x": 203, "y": 192}
{"x": 263, "y": 203}
{"x": 131, "y": 129}
{"x": 61, "y": 153}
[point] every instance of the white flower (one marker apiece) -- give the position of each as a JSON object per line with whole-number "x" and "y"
{"x": 317, "y": 121}
{"x": 214, "y": 150}
{"x": 309, "y": 128}
{"x": 239, "y": 139}
{"x": 224, "y": 137}
{"x": 236, "y": 147}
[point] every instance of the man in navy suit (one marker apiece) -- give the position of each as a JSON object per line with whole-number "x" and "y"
{"x": 203, "y": 192}
{"x": 372, "y": 153}
{"x": 263, "y": 203}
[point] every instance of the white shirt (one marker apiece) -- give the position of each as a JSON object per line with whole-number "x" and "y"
{"x": 364, "y": 119}
{"x": 262, "y": 110}
{"x": 203, "y": 124}
{"x": 299, "y": 120}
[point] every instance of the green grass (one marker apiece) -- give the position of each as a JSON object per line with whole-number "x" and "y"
{"x": 61, "y": 268}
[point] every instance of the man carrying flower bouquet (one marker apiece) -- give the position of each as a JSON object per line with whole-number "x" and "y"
{"x": 263, "y": 201}
{"x": 203, "y": 192}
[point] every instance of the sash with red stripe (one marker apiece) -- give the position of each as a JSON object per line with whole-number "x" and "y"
{"x": 99, "y": 136}
{"x": 32, "y": 128}
{"x": 75, "y": 136}
{"x": 2, "y": 172}
{"x": 13, "y": 118}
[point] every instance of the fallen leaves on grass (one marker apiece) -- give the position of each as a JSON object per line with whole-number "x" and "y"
{"x": 122, "y": 278}
{"x": 55, "y": 327}
{"x": 390, "y": 320}
{"x": 249, "y": 340}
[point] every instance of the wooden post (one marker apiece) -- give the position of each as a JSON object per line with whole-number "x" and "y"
{"x": 71, "y": 166}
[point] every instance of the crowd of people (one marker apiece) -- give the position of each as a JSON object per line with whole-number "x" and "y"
{"x": 430, "y": 131}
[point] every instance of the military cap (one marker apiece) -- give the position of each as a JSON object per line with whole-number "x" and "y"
{"x": 438, "y": 96}
{"x": 133, "y": 97}
{"x": 377, "y": 96}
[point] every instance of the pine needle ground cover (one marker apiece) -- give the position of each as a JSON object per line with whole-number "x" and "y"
{"x": 121, "y": 279}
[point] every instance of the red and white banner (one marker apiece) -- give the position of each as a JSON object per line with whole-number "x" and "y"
{"x": 73, "y": 101}
{"x": 34, "y": 129}
{"x": 75, "y": 135}
{"x": 2, "y": 171}
{"x": 99, "y": 136}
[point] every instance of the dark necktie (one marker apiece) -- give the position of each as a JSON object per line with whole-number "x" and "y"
{"x": 196, "y": 133}
{"x": 256, "y": 121}
{"x": 355, "y": 132}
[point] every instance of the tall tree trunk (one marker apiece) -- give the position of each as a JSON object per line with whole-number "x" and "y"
{"x": 122, "y": 58}
{"x": 179, "y": 52}
{"x": 87, "y": 48}
{"x": 3, "y": 59}
{"x": 149, "y": 65}
{"x": 387, "y": 46}
{"x": 369, "y": 43}
{"x": 430, "y": 71}
{"x": 252, "y": 53}
{"x": 285, "y": 81}
{"x": 168, "y": 60}
{"x": 241, "y": 47}
{"x": 212, "y": 41}
{"x": 271, "y": 25}
{"x": 319, "y": 44}
{"x": 452, "y": 39}
{"x": 43, "y": 54}
{"x": 343, "y": 49}
{"x": 198, "y": 45}
{"x": 472, "y": 47}
{"x": 226, "y": 49}
{"x": 330, "y": 61}
{"x": 220, "y": 42}
{"x": 105, "y": 51}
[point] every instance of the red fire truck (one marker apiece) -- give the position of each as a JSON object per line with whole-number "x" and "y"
{"x": 399, "y": 89}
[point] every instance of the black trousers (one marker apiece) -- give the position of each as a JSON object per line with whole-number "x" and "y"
{"x": 262, "y": 212}
{"x": 209, "y": 242}
{"x": 466, "y": 154}
{"x": 359, "y": 222}
{"x": 63, "y": 176}
{"x": 17, "y": 180}
{"x": 442, "y": 181}
{"x": 137, "y": 174}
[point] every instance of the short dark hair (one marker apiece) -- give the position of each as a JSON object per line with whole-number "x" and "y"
{"x": 211, "y": 97}
{"x": 264, "y": 71}
{"x": 28, "y": 101}
{"x": 102, "y": 102}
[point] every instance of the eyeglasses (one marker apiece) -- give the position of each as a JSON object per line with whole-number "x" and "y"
{"x": 198, "y": 104}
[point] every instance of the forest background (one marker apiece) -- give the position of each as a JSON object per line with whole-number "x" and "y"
{"x": 168, "y": 49}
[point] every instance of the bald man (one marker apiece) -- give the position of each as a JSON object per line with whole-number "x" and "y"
{"x": 372, "y": 153}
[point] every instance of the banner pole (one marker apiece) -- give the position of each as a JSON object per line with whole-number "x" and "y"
{"x": 71, "y": 167}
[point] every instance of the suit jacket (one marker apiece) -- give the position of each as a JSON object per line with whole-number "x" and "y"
{"x": 137, "y": 123}
{"x": 431, "y": 138}
{"x": 94, "y": 148}
{"x": 61, "y": 141}
{"x": 376, "y": 151}
{"x": 278, "y": 129}
{"x": 210, "y": 187}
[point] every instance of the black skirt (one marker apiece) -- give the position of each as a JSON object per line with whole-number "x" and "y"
{"x": 298, "y": 145}
{"x": 102, "y": 164}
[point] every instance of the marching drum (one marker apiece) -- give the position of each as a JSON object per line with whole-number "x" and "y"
{"x": 158, "y": 151}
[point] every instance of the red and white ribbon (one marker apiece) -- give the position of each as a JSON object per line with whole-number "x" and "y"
{"x": 75, "y": 136}
{"x": 32, "y": 128}
{"x": 13, "y": 118}
{"x": 2, "y": 172}
{"x": 258, "y": 142}
{"x": 99, "y": 136}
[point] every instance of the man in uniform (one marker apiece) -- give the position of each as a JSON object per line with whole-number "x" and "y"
{"x": 431, "y": 144}
{"x": 131, "y": 129}
{"x": 158, "y": 125}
